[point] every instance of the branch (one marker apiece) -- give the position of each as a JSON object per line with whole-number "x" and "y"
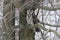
{"x": 48, "y": 8}
{"x": 50, "y": 24}
{"x": 50, "y": 30}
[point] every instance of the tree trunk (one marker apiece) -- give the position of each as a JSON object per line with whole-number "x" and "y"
{"x": 26, "y": 34}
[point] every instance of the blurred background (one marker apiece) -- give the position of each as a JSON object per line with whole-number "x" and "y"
{"x": 48, "y": 15}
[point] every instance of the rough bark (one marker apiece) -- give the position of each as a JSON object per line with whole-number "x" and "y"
{"x": 26, "y": 34}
